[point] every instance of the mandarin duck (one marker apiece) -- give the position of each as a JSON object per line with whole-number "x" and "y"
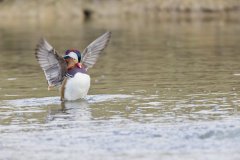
{"x": 69, "y": 72}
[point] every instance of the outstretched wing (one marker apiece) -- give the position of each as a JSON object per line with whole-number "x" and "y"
{"x": 93, "y": 50}
{"x": 53, "y": 65}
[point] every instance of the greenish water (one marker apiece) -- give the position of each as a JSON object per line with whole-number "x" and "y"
{"x": 165, "y": 90}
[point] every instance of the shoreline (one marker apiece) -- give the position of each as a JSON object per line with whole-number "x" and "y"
{"x": 83, "y": 10}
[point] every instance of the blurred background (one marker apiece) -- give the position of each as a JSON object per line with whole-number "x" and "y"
{"x": 166, "y": 86}
{"x": 46, "y": 10}
{"x": 151, "y": 37}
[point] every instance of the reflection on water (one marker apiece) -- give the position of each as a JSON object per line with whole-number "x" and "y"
{"x": 162, "y": 89}
{"x": 43, "y": 110}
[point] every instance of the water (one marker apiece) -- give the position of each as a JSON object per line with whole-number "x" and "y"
{"x": 162, "y": 90}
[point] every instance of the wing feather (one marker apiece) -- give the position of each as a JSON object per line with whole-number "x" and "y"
{"x": 53, "y": 65}
{"x": 93, "y": 50}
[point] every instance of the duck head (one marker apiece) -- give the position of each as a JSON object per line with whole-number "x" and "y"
{"x": 72, "y": 57}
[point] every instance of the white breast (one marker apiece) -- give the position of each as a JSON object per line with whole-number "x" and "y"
{"x": 77, "y": 87}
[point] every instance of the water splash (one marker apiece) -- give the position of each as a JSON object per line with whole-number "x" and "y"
{"x": 56, "y": 100}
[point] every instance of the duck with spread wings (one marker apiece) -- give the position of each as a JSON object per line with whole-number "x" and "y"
{"x": 70, "y": 71}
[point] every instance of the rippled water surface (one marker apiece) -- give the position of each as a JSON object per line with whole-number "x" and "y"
{"x": 161, "y": 90}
